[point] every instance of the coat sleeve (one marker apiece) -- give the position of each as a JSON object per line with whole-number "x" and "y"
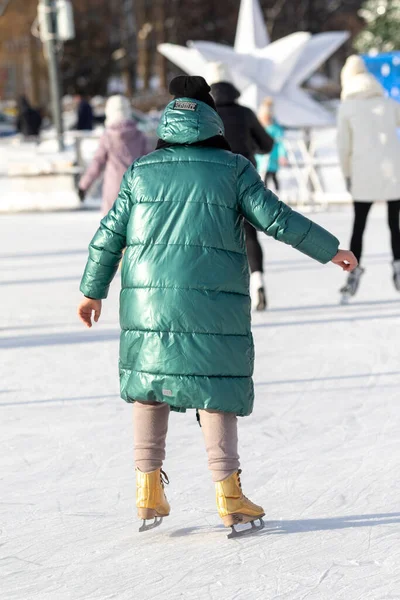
{"x": 105, "y": 249}
{"x": 262, "y": 140}
{"x": 96, "y": 166}
{"x": 344, "y": 142}
{"x": 266, "y": 213}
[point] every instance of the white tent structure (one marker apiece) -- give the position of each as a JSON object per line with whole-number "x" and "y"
{"x": 260, "y": 68}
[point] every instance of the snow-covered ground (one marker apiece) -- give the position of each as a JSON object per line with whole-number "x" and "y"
{"x": 36, "y": 177}
{"x": 39, "y": 178}
{"x": 320, "y": 452}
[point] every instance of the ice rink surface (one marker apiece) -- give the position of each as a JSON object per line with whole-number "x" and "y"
{"x": 320, "y": 452}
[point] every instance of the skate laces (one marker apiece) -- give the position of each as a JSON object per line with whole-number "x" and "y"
{"x": 240, "y": 485}
{"x": 238, "y": 478}
{"x": 164, "y": 477}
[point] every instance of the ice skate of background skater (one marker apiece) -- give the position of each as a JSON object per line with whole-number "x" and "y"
{"x": 369, "y": 151}
{"x": 186, "y": 339}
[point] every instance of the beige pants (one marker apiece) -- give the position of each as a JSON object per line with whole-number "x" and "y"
{"x": 150, "y": 425}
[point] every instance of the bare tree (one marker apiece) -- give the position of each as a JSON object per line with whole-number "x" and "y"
{"x": 102, "y": 46}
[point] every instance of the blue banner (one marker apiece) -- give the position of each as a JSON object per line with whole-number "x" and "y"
{"x": 386, "y": 68}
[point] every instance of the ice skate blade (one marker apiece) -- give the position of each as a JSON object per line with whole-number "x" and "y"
{"x": 345, "y": 299}
{"x": 262, "y": 300}
{"x": 147, "y": 526}
{"x": 243, "y": 532}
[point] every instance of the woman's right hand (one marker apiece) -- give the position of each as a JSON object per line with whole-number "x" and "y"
{"x": 346, "y": 260}
{"x": 86, "y": 308}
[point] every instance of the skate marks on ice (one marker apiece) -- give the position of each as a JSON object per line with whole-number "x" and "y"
{"x": 299, "y": 526}
{"x": 55, "y": 327}
{"x": 328, "y": 314}
{"x": 232, "y": 533}
{"x": 60, "y": 338}
{"x": 327, "y": 321}
{"x": 362, "y": 376}
{"x": 40, "y": 280}
{"x": 51, "y": 253}
{"x": 357, "y": 305}
{"x": 309, "y": 453}
{"x": 66, "y": 400}
{"x": 196, "y": 530}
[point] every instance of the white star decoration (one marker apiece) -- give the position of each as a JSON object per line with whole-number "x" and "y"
{"x": 259, "y": 68}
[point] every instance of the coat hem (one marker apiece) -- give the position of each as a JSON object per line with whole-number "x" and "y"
{"x": 182, "y": 409}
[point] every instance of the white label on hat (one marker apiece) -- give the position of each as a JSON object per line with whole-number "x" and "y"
{"x": 185, "y": 105}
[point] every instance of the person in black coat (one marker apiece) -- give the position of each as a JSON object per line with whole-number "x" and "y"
{"x": 244, "y": 132}
{"x": 84, "y": 113}
{"x": 246, "y": 136}
{"x": 29, "y": 120}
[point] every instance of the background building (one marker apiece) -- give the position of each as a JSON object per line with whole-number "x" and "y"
{"x": 22, "y": 65}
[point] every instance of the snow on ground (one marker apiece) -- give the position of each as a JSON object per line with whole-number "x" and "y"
{"x": 36, "y": 177}
{"x": 320, "y": 452}
{"x": 39, "y": 178}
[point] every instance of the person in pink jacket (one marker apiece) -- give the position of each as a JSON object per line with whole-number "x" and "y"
{"x": 120, "y": 145}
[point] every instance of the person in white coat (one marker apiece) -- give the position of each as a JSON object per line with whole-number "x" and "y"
{"x": 369, "y": 151}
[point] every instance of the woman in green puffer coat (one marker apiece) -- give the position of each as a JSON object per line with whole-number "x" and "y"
{"x": 185, "y": 309}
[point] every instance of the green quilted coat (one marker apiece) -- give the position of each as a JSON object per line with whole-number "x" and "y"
{"x": 184, "y": 306}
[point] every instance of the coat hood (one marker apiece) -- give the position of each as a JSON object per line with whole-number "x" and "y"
{"x": 353, "y": 66}
{"x": 187, "y": 121}
{"x": 363, "y": 85}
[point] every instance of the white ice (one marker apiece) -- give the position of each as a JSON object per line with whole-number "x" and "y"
{"x": 320, "y": 452}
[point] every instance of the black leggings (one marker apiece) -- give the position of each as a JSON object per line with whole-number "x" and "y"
{"x": 361, "y": 210}
{"x": 254, "y": 251}
{"x": 272, "y": 175}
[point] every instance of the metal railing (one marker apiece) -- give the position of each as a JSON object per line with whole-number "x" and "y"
{"x": 307, "y": 165}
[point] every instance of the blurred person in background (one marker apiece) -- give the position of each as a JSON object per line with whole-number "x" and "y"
{"x": 278, "y": 157}
{"x": 186, "y": 339}
{"x": 120, "y": 145}
{"x": 84, "y": 110}
{"x": 245, "y": 135}
{"x": 29, "y": 120}
{"x": 369, "y": 151}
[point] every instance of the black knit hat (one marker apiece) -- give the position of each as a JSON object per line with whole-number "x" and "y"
{"x": 191, "y": 86}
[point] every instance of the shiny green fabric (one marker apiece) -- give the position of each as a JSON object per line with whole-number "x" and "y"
{"x": 185, "y": 308}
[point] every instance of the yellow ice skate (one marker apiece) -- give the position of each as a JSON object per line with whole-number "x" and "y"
{"x": 151, "y": 501}
{"x": 234, "y": 508}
